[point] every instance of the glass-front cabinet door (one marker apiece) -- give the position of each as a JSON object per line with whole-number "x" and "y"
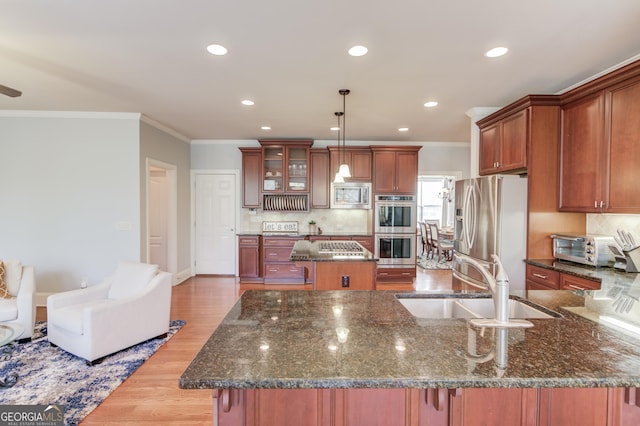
{"x": 285, "y": 166}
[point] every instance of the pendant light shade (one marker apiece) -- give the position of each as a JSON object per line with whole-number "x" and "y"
{"x": 344, "y": 167}
{"x": 339, "y": 178}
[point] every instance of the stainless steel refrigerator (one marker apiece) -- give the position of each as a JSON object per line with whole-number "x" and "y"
{"x": 490, "y": 218}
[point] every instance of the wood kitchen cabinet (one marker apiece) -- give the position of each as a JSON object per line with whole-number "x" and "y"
{"x": 571, "y": 282}
{"x": 599, "y": 145}
{"x": 277, "y": 267}
{"x": 503, "y": 145}
{"x": 395, "y": 169}
{"x": 358, "y": 158}
{"x": 249, "y": 259}
{"x": 541, "y": 278}
{"x": 251, "y": 177}
{"x": 541, "y": 134}
{"x": 321, "y": 178}
{"x": 285, "y": 166}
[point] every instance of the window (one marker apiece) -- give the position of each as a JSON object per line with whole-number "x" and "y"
{"x": 433, "y": 202}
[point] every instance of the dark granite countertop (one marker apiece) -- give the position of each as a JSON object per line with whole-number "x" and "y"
{"x": 367, "y": 339}
{"x": 320, "y": 251}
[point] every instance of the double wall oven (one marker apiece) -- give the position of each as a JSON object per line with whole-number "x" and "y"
{"x": 395, "y": 230}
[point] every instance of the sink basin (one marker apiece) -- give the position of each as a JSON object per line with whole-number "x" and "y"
{"x": 448, "y": 306}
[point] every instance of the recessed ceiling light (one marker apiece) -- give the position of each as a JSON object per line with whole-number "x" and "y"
{"x": 403, "y": 129}
{"x": 266, "y": 127}
{"x": 358, "y": 51}
{"x": 248, "y": 102}
{"x": 496, "y": 51}
{"x": 430, "y": 104}
{"x": 216, "y": 49}
{"x": 335, "y": 129}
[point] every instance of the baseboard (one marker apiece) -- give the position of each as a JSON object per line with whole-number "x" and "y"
{"x": 182, "y": 276}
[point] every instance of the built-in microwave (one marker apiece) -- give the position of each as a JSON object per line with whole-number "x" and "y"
{"x": 395, "y": 214}
{"x": 351, "y": 195}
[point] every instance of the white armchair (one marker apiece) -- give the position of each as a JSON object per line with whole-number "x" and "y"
{"x": 19, "y": 309}
{"x": 128, "y": 308}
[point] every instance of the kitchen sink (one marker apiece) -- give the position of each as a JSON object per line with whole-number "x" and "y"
{"x": 452, "y": 306}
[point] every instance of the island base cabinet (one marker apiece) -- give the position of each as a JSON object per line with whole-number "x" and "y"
{"x": 328, "y": 407}
{"x": 427, "y": 407}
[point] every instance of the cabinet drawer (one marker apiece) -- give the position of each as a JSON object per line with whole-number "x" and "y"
{"x": 570, "y": 282}
{"x": 395, "y": 274}
{"x": 249, "y": 241}
{"x": 277, "y": 254}
{"x": 546, "y": 277}
{"x": 283, "y": 270}
{"x": 366, "y": 242}
{"x": 280, "y": 242}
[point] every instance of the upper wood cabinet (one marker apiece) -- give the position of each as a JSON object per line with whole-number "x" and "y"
{"x": 251, "y": 177}
{"x": 320, "y": 178}
{"x": 358, "y": 158}
{"x": 285, "y": 166}
{"x": 503, "y": 145}
{"x": 599, "y": 149}
{"x": 395, "y": 169}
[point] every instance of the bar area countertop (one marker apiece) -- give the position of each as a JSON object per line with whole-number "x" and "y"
{"x": 367, "y": 339}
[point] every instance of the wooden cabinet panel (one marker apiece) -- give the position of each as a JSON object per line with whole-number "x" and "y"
{"x": 565, "y": 406}
{"x": 395, "y": 169}
{"x": 366, "y": 242}
{"x": 358, "y": 158}
{"x": 286, "y": 407}
{"x": 548, "y": 279}
{"x": 581, "y": 153}
{"x": 625, "y": 404}
{"x": 335, "y": 275}
{"x": 249, "y": 261}
{"x": 373, "y": 407}
{"x": 251, "y": 177}
{"x": 320, "y": 178}
{"x": 622, "y": 170}
{"x": 488, "y": 149}
{"x": 503, "y": 145}
{"x": 571, "y": 282}
{"x": 277, "y": 267}
{"x": 494, "y": 406}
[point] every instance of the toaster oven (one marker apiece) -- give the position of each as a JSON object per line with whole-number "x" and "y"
{"x": 587, "y": 249}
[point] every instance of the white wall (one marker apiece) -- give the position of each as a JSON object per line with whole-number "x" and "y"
{"x": 163, "y": 146}
{"x": 70, "y": 194}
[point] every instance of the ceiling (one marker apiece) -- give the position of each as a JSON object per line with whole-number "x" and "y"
{"x": 290, "y": 57}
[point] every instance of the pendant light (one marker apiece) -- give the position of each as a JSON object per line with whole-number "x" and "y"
{"x": 339, "y": 178}
{"x": 344, "y": 167}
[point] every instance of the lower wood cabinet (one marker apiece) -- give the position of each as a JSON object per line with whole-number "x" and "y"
{"x": 539, "y": 278}
{"x": 249, "y": 259}
{"x": 413, "y": 407}
{"x": 277, "y": 266}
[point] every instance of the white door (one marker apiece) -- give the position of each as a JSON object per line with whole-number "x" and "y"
{"x": 158, "y": 217}
{"x": 215, "y": 212}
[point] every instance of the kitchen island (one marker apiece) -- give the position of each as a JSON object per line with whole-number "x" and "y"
{"x": 359, "y": 357}
{"x": 336, "y": 265}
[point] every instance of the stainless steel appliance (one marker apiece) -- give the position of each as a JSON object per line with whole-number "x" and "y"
{"x": 351, "y": 195}
{"x": 395, "y": 249}
{"x": 587, "y": 249}
{"x": 395, "y": 214}
{"x": 490, "y": 218}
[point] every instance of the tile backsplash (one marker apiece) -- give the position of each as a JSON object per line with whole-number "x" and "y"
{"x": 609, "y": 224}
{"x": 329, "y": 220}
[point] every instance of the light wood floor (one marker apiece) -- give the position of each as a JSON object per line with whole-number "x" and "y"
{"x": 151, "y": 394}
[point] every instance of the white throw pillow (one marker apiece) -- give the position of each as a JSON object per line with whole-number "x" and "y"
{"x": 130, "y": 279}
{"x": 12, "y": 276}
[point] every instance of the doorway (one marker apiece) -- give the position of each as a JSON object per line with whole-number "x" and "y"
{"x": 215, "y": 222}
{"x": 162, "y": 215}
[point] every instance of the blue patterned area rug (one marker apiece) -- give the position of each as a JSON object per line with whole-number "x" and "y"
{"x": 49, "y": 375}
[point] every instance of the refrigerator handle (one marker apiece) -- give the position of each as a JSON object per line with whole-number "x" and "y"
{"x": 470, "y": 216}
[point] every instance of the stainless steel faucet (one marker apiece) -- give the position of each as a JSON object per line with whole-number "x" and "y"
{"x": 499, "y": 287}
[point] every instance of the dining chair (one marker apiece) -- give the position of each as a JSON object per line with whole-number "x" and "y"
{"x": 442, "y": 246}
